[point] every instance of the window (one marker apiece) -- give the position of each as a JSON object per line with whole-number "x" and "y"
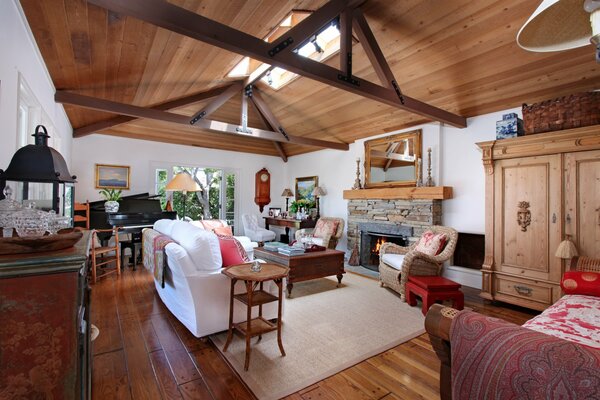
{"x": 31, "y": 114}
{"x": 320, "y": 47}
{"x": 215, "y": 201}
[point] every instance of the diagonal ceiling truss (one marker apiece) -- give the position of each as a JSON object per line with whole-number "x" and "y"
{"x": 280, "y": 53}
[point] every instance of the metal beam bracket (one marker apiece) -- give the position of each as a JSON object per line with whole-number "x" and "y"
{"x": 197, "y": 117}
{"x": 248, "y": 91}
{"x": 282, "y": 45}
{"x": 349, "y": 79}
{"x": 242, "y": 130}
{"x": 398, "y": 91}
{"x": 283, "y": 132}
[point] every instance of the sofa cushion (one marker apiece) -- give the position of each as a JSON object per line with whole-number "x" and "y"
{"x": 393, "y": 260}
{"x": 232, "y": 251}
{"x": 165, "y": 226}
{"x": 580, "y": 282}
{"x": 202, "y": 246}
{"x": 223, "y": 231}
{"x": 431, "y": 243}
{"x": 325, "y": 228}
{"x": 180, "y": 263}
{"x": 573, "y": 317}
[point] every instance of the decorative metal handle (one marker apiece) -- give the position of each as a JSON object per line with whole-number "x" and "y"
{"x": 554, "y": 218}
{"x": 523, "y": 290}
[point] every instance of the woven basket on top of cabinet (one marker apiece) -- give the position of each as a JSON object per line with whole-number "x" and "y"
{"x": 574, "y": 111}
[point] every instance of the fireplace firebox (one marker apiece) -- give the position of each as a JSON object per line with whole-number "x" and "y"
{"x": 372, "y": 236}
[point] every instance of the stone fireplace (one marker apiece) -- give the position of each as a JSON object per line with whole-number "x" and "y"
{"x": 373, "y": 221}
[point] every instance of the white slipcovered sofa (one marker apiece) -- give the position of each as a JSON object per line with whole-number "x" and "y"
{"x": 196, "y": 291}
{"x": 246, "y": 242}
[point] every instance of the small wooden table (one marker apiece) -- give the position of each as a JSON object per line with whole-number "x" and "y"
{"x": 252, "y": 297}
{"x": 288, "y": 223}
{"x": 307, "y": 266}
{"x": 432, "y": 289}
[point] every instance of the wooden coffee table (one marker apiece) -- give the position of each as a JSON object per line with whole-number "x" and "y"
{"x": 304, "y": 267}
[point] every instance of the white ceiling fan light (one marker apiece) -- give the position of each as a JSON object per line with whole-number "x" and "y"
{"x": 558, "y": 25}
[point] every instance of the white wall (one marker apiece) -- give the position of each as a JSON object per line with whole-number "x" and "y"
{"x": 21, "y": 55}
{"x": 142, "y": 156}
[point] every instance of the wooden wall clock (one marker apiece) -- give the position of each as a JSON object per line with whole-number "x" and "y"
{"x": 262, "y": 182}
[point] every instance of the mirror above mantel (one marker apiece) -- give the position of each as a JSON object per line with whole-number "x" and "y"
{"x": 391, "y": 161}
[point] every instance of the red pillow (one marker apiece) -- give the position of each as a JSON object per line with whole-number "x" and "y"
{"x": 232, "y": 251}
{"x": 325, "y": 227}
{"x": 579, "y": 282}
{"x": 223, "y": 231}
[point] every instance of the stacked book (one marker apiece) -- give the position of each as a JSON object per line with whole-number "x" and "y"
{"x": 291, "y": 250}
{"x": 273, "y": 246}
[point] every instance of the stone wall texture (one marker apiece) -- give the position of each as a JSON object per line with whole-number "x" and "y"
{"x": 418, "y": 214}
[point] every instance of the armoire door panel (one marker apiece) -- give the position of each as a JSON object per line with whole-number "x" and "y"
{"x": 582, "y": 195}
{"x": 527, "y": 216}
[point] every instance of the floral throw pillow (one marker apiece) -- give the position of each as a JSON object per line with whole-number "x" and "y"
{"x": 431, "y": 243}
{"x": 325, "y": 228}
{"x": 579, "y": 282}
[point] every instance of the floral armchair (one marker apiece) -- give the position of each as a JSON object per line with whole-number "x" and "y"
{"x": 396, "y": 263}
{"x": 330, "y": 241}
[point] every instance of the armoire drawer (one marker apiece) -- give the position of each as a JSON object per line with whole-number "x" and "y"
{"x": 527, "y": 290}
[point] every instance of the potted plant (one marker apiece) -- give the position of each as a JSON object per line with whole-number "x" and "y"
{"x": 296, "y": 205}
{"x": 112, "y": 197}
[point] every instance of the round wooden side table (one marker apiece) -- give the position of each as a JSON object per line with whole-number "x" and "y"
{"x": 255, "y": 296}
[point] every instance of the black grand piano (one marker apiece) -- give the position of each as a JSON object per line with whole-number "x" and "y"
{"x": 136, "y": 212}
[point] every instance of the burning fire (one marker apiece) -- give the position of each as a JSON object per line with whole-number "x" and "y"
{"x": 377, "y": 246}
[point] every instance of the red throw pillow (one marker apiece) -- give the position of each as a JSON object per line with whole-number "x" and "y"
{"x": 579, "y": 282}
{"x": 325, "y": 227}
{"x": 223, "y": 231}
{"x": 431, "y": 243}
{"x": 232, "y": 251}
{"x": 210, "y": 224}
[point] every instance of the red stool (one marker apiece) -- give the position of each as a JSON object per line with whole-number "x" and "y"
{"x": 432, "y": 289}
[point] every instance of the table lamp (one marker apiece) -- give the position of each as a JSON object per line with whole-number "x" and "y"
{"x": 287, "y": 193}
{"x": 317, "y": 192}
{"x": 184, "y": 183}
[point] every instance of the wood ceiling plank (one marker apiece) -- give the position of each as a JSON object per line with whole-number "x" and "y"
{"x": 217, "y": 102}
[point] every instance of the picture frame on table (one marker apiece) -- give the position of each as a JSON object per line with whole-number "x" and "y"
{"x": 305, "y": 187}
{"x": 112, "y": 176}
{"x": 274, "y": 212}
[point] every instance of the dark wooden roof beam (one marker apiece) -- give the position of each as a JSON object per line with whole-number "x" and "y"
{"x": 182, "y": 21}
{"x": 168, "y": 105}
{"x": 93, "y": 103}
{"x": 217, "y": 102}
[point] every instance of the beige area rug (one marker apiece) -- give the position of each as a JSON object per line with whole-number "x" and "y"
{"x": 325, "y": 330}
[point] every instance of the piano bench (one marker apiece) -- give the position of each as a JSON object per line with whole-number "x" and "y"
{"x": 132, "y": 245}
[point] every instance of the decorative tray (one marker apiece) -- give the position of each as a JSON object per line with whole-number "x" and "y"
{"x": 20, "y": 245}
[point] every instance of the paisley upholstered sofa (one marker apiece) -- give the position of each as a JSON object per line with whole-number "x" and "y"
{"x": 555, "y": 355}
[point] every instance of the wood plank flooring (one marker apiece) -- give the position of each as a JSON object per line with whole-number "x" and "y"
{"x": 143, "y": 352}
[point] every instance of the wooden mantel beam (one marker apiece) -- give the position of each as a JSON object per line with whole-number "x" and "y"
{"x": 168, "y": 105}
{"x": 187, "y": 23}
{"x": 93, "y": 103}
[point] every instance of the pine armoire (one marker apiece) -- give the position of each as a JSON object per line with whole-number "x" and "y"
{"x": 538, "y": 189}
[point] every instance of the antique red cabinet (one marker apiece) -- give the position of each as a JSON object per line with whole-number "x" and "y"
{"x": 44, "y": 325}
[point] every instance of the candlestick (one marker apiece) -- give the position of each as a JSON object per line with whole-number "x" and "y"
{"x": 419, "y": 172}
{"x": 357, "y": 184}
{"x": 429, "y": 181}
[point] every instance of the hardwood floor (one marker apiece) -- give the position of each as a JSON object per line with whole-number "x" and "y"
{"x": 143, "y": 352}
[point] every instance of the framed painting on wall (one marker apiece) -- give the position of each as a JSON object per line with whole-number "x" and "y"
{"x": 305, "y": 187}
{"x": 112, "y": 176}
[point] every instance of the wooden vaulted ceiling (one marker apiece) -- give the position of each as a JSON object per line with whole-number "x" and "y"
{"x": 457, "y": 55}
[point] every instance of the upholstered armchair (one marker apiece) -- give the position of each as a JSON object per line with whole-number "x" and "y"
{"x": 331, "y": 240}
{"x": 255, "y": 232}
{"x": 396, "y": 263}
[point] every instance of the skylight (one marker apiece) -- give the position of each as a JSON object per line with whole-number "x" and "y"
{"x": 322, "y": 46}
